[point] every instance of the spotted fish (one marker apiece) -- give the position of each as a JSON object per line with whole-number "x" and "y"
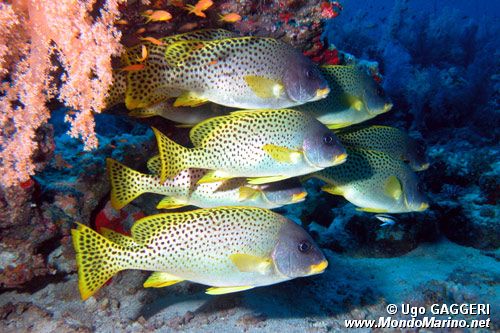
{"x": 265, "y": 145}
{"x": 151, "y": 78}
{"x": 386, "y": 139}
{"x": 228, "y": 248}
{"x": 183, "y": 190}
{"x": 376, "y": 182}
{"x": 355, "y": 97}
{"x": 239, "y": 72}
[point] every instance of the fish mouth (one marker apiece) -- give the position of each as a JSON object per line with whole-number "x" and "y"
{"x": 298, "y": 197}
{"x": 387, "y": 107}
{"x": 339, "y": 159}
{"x": 322, "y": 93}
{"x": 424, "y": 166}
{"x": 318, "y": 268}
{"x": 423, "y": 206}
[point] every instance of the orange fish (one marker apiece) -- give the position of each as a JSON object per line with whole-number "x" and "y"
{"x": 157, "y": 16}
{"x": 230, "y": 18}
{"x": 122, "y": 22}
{"x": 144, "y": 54}
{"x": 153, "y": 41}
{"x": 188, "y": 27}
{"x": 133, "y": 68}
{"x": 140, "y": 31}
{"x": 200, "y": 6}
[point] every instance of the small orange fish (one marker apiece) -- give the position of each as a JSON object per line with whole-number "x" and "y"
{"x": 122, "y": 22}
{"x": 140, "y": 31}
{"x": 158, "y": 16}
{"x": 144, "y": 54}
{"x": 213, "y": 62}
{"x": 133, "y": 68}
{"x": 200, "y": 6}
{"x": 230, "y": 18}
{"x": 153, "y": 41}
{"x": 188, "y": 27}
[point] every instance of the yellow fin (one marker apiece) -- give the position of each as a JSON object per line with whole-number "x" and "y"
{"x": 172, "y": 156}
{"x": 189, "y": 98}
{"x": 171, "y": 203}
{"x": 372, "y": 210}
{"x": 393, "y": 188}
{"x": 160, "y": 280}
{"x": 333, "y": 190}
{"x": 126, "y": 183}
{"x": 264, "y": 87}
{"x": 250, "y": 263}
{"x": 226, "y": 290}
{"x": 246, "y": 193}
{"x": 118, "y": 238}
{"x": 282, "y": 154}
{"x": 337, "y": 126}
{"x": 265, "y": 180}
{"x": 214, "y": 176}
{"x": 97, "y": 259}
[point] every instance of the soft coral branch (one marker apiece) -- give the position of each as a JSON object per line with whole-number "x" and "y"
{"x": 32, "y": 32}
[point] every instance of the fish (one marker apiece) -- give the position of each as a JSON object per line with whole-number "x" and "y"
{"x": 387, "y": 220}
{"x": 390, "y": 140}
{"x": 355, "y": 97}
{"x": 230, "y": 249}
{"x": 238, "y": 72}
{"x": 157, "y": 16}
{"x": 230, "y": 18}
{"x": 125, "y": 86}
{"x": 375, "y": 182}
{"x": 262, "y": 145}
{"x": 183, "y": 190}
{"x": 186, "y": 116}
{"x": 199, "y": 8}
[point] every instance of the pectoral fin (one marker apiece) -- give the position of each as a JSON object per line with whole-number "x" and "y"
{"x": 246, "y": 193}
{"x": 189, "y": 98}
{"x": 213, "y": 176}
{"x": 250, "y": 263}
{"x": 265, "y": 180}
{"x": 393, "y": 188}
{"x": 282, "y": 154}
{"x": 355, "y": 103}
{"x": 333, "y": 190}
{"x": 160, "y": 280}
{"x": 264, "y": 87}
{"x": 171, "y": 203}
{"x": 226, "y": 290}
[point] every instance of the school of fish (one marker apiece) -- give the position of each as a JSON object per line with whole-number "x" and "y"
{"x": 264, "y": 119}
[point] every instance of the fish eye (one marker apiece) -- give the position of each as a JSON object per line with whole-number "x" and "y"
{"x": 328, "y": 139}
{"x": 304, "y": 246}
{"x": 308, "y": 73}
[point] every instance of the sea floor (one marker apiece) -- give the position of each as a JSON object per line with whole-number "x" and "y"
{"x": 351, "y": 288}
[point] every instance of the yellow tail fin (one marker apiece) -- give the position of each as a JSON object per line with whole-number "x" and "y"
{"x": 173, "y": 157}
{"x": 97, "y": 258}
{"x": 128, "y": 184}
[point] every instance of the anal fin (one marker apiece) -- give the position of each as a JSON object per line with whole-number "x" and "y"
{"x": 189, "y": 98}
{"x": 333, "y": 190}
{"x": 265, "y": 180}
{"x": 160, "y": 280}
{"x": 171, "y": 203}
{"x": 226, "y": 290}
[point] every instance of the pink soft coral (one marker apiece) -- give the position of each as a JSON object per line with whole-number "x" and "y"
{"x": 37, "y": 36}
